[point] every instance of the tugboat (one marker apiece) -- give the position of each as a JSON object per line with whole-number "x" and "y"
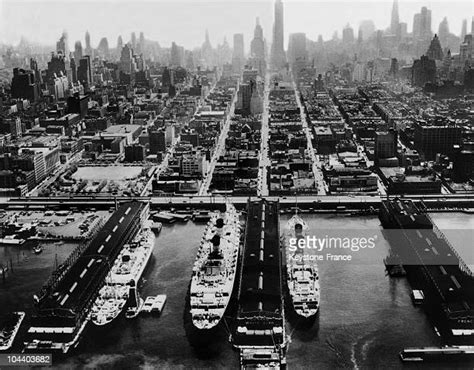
{"x": 215, "y": 269}
{"x": 135, "y": 302}
{"x": 302, "y": 276}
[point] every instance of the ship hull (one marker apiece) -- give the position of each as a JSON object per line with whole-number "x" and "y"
{"x": 205, "y": 296}
{"x": 302, "y": 279}
{"x": 123, "y": 280}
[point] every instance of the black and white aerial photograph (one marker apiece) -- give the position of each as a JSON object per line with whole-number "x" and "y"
{"x": 236, "y": 184}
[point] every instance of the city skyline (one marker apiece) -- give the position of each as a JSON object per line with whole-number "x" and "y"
{"x": 22, "y": 19}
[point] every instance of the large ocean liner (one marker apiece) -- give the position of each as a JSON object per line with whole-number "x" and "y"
{"x": 215, "y": 268}
{"x": 301, "y": 276}
{"x": 63, "y": 306}
{"x": 128, "y": 267}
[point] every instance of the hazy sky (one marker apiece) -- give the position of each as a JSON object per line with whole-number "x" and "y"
{"x": 186, "y": 21}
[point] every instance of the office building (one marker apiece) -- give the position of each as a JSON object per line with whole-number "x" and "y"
{"x": 238, "y": 57}
{"x": 297, "y": 52}
{"x": 277, "y": 55}
{"x": 433, "y": 139}
{"x": 395, "y": 20}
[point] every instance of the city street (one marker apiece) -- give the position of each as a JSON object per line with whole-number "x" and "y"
{"x": 264, "y": 161}
{"x": 318, "y": 174}
{"x": 160, "y": 168}
{"x": 220, "y": 147}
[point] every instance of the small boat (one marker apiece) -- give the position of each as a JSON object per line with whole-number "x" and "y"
{"x": 156, "y": 227}
{"x": 37, "y": 249}
{"x": 417, "y": 296}
{"x": 133, "y": 311}
{"x": 9, "y": 327}
{"x": 159, "y": 303}
{"x": 11, "y": 240}
{"x": 148, "y": 305}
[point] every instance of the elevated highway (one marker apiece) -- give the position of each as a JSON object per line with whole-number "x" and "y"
{"x": 315, "y": 203}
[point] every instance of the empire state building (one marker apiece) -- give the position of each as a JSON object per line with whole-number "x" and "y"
{"x": 277, "y": 55}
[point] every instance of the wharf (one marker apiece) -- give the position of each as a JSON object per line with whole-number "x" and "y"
{"x": 433, "y": 266}
{"x": 62, "y": 306}
{"x": 260, "y": 323}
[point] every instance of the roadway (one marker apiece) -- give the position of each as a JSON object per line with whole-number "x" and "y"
{"x": 220, "y": 147}
{"x": 316, "y": 165}
{"x": 264, "y": 161}
{"x": 315, "y": 201}
{"x": 160, "y": 168}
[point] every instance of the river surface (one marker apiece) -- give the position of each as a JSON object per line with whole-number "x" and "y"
{"x": 365, "y": 318}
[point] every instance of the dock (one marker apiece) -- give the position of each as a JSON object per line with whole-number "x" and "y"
{"x": 62, "y": 306}
{"x": 433, "y": 266}
{"x": 260, "y": 324}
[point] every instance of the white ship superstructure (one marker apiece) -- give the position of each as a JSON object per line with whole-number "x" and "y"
{"x": 129, "y": 265}
{"x": 215, "y": 269}
{"x": 302, "y": 275}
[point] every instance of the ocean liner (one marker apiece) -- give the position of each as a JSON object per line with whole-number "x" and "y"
{"x": 215, "y": 269}
{"x": 302, "y": 276}
{"x": 63, "y": 306}
{"x": 129, "y": 266}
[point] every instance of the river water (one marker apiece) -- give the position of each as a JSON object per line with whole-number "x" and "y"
{"x": 365, "y": 318}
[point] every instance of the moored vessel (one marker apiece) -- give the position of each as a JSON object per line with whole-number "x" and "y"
{"x": 215, "y": 268}
{"x": 126, "y": 270}
{"x": 9, "y": 326}
{"x": 302, "y": 276}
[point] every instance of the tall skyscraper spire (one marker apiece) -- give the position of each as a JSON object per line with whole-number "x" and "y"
{"x": 278, "y": 57}
{"x": 463, "y": 29}
{"x": 395, "y": 22}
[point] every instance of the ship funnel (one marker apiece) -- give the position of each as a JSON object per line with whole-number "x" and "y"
{"x": 133, "y": 294}
{"x": 216, "y": 242}
{"x": 298, "y": 229}
{"x": 220, "y": 223}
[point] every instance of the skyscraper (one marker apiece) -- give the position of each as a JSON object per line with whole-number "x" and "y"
{"x": 348, "y": 35}
{"x": 463, "y": 29}
{"x": 278, "y": 57}
{"x": 177, "y": 55}
{"x": 119, "y": 43}
{"x": 77, "y": 51}
{"x": 103, "y": 48}
{"x": 238, "y": 58}
{"x": 62, "y": 45}
{"x": 443, "y": 32}
{"x": 207, "y": 53}
{"x": 257, "y": 46}
{"x": 367, "y": 27}
{"x": 257, "y": 50}
{"x": 133, "y": 40}
{"x": 435, "y": 51}
{"x": 422, "y": 24}
{"x": 297, "y": 48}
{"x": 395, "y": 21}
{"x": 141, "y": 43}
{"x": 88, "y": 49}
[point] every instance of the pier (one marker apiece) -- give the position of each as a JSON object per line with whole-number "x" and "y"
{"x": 433, "y": 266}
{"x": 62, "y": 307}
{"x": 260, "y": 324}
